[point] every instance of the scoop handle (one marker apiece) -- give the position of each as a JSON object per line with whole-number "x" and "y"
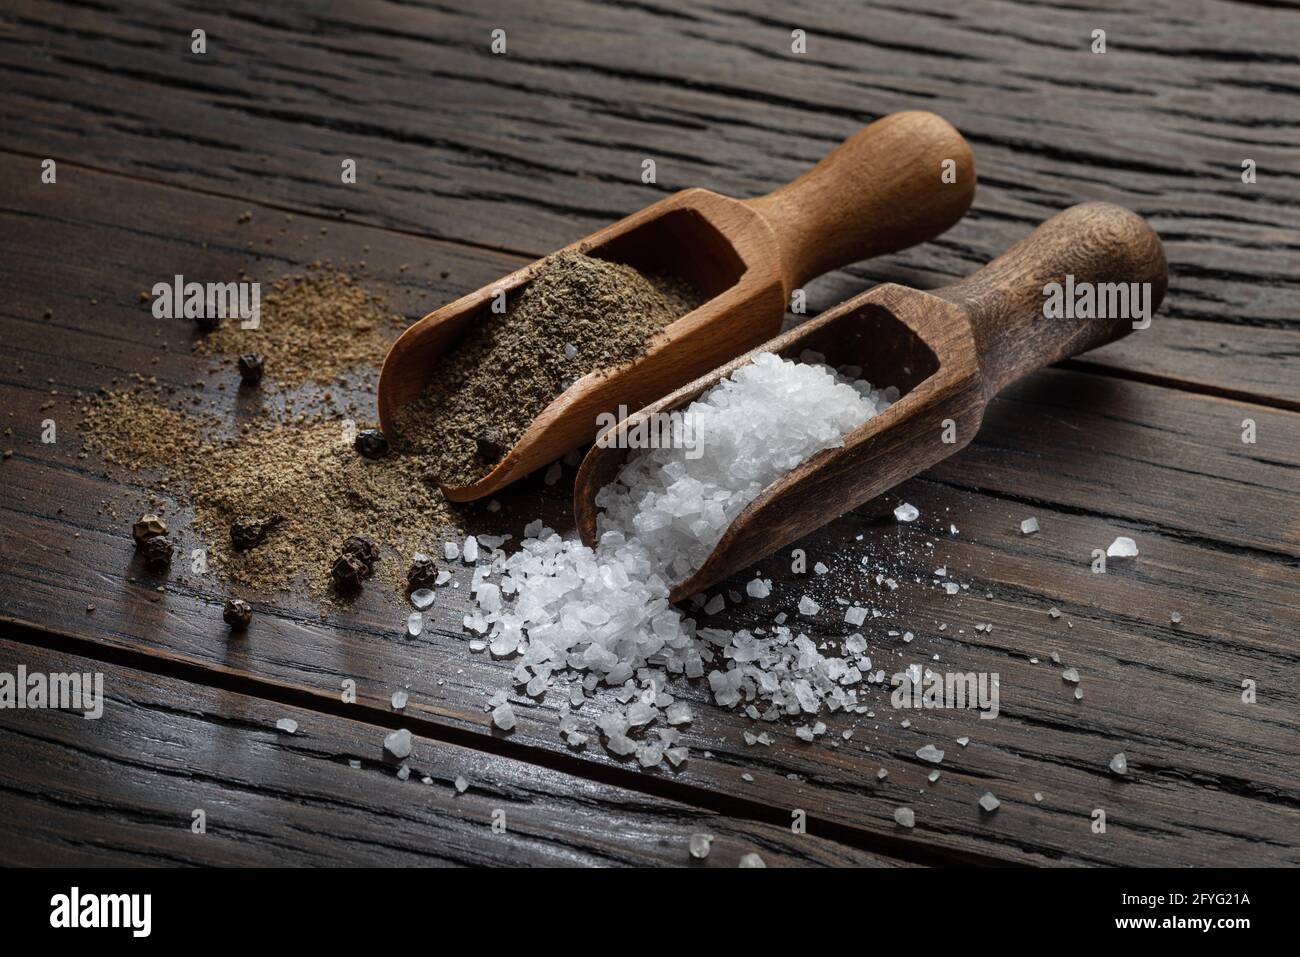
{"x": 881, "y": 190}
{"x": 1020, "y": 323}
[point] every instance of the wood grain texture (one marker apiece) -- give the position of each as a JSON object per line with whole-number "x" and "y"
{"x": 1212, "y": 780}
{"x": 121, "y": 790}
{"x": 530, "y": 151}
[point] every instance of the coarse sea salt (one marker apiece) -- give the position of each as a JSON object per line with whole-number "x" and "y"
{"x": 1122, "y": 547}
{"x": 560, "y": 607}
{"x": 906, "y": 512}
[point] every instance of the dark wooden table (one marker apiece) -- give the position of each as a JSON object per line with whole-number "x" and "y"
{"x": 470, "y": 164}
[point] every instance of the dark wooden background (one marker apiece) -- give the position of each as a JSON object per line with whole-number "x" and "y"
{"x": 471, "y": 164}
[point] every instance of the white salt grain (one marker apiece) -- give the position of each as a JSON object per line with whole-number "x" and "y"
{"x": 399, "y": 700}
{"x": 287, "y": 725}
{"x": 422, "y": 598}
{"x": 906, "y": 513}
{"x": 758, "y": 588}
{"x": 989, "y": 803}
{"x": 905, "y": 816}
{"x": 1029, "y": 526}
{"x": 808, "y": 607}
{"x": 415, "y": 624}
{"x": 503, "y": 717}
{"x": 398, "y": 744}
{"x": 450, "y": 550}
{"x": 470, "y": 552}
{"x": 701, "y": 844}
{"x": 930, "y": 753}
{"x": 751, "y": 860}
{"x": 460, "y": 784}
{"x": 1122, "y": 547}
{"x": 1119, "y": 763}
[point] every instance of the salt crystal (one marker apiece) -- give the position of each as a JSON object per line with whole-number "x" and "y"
{"x": 422, "y": 598}
{"x": 963, "y": 741}
{"x": 450, "y": 550}
{"x": 444, "y": 576}
{"x": 1122, "y": 547}
{"x": 1054, "y": 612}
{"x": 415, "y": 624}
{"x": 460, "y": 784}
{"x": 1071, "y": 675}
{"x": 820, "y": 568}
{"x": 1119, "y": 764}
{"x": 1038, "y": 795}
{"x": 287, "y": 725}
{"x": 882, "y": 774}
{"x": 1175, "y": 617}
{"x": 808, "y": 607}
{"x": 951, "y": 587}
{"x": 989, "y": 803}
{"x": 570, "y": 350}
{"x": 403, "y": 773}
{"x": 855, "y": 616}
{"x": 470, "y": 552}
{"x": 906, "y": 513}
{"x": 715, "y": 604}
{"x": 930, "y": 753}
{"x": 503, "y": 717}
{"x": 905, "y": 816}
{"x": 398, "y": 744}
{"x": 934, "y": 776}
{"x": 701, "y": 844}
{"x": 1078, "y": 694}
{"x": 399, "y": 700}
{"x": 751, "y": 860}
{"x": 1029, "y": 526}
{"x": 758, "y": 588}
{"x": 679, "y": 712}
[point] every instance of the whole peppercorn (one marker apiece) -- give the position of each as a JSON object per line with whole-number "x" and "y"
{"x": 237, "y": 614}
{"x": 247, "y": 531}
{"x": 371, "y": 444}
{"x": 490, "y": 447}
{"x": 348, "y": 573}
{"x": 251, "y": 367}
{"x": 157, "y": 553}
{"x": 363, "y": 550}
{"x": 423, "y": 573}
{"x": 147, "y": 526}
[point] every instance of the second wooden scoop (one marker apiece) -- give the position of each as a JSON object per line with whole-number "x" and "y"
{"x": 949, "y": 352}
{"x": 881, "y": 190}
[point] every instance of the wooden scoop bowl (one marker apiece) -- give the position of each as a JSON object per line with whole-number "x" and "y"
{"x": 948, "y": 351}
{"x": 881, "y": 190}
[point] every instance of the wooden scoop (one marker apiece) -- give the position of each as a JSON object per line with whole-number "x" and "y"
{"x": 881, "y": 190}
{"x": 948, "y": 351}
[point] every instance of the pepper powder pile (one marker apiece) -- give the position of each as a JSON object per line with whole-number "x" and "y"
{"x": 578, "y": 314}
{"x": 314, "y": 327}
{"x": 303, "y": 473}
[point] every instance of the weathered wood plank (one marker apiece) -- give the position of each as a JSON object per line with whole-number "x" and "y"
{"x": 528, "y": 151}
{"x": 122, "y": 789}
{"x": 1212, "y": 781}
